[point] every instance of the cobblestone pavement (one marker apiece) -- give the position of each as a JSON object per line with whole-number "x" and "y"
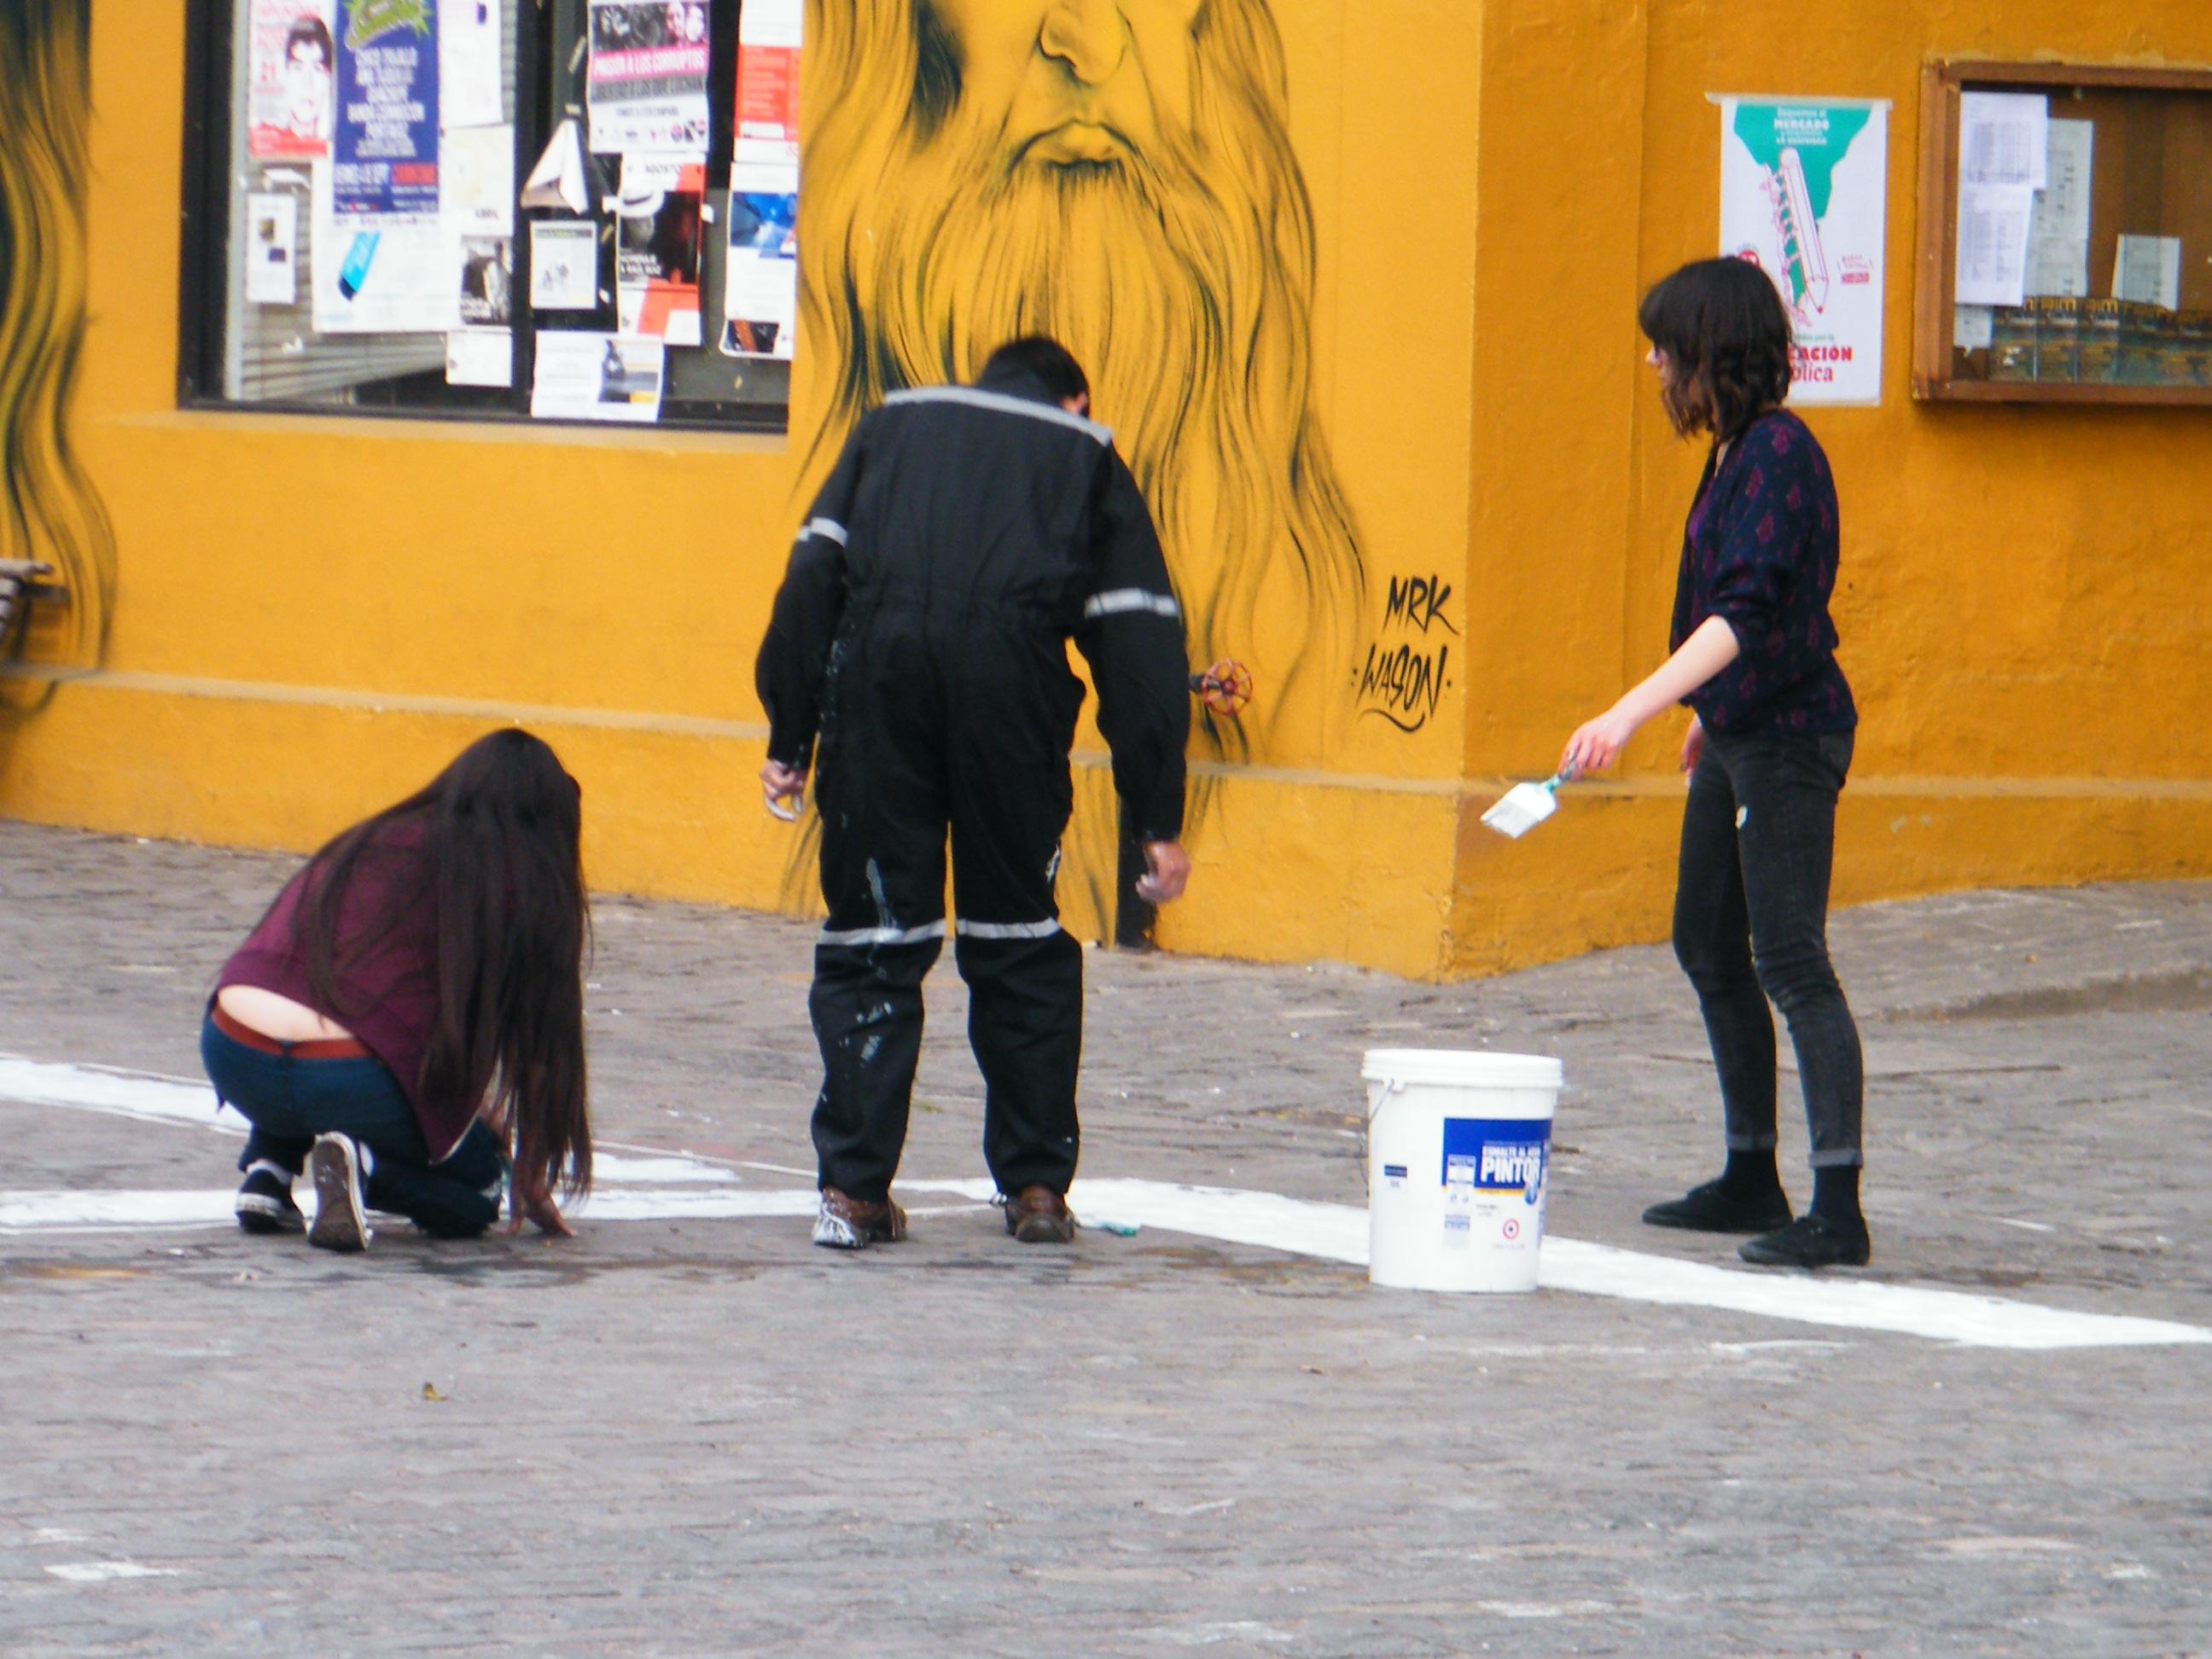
{"x": 683, "y": 1437}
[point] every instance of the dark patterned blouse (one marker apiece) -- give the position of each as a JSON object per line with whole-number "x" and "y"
{"x": 1761, "y": 550}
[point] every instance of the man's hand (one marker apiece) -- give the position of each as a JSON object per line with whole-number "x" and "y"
{"x": 781, "y": 783}
{"x": 1693, "y": 744}
{"x": 1167, "y": 869}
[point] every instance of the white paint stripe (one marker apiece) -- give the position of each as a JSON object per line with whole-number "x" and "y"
{"x": 99, "y": 1572}
{"x": 1004, "y": 406}
{"x": 1335, "y": 1232}
{"x": 1008, "y": 929}
{"x": 1121, "y": 599}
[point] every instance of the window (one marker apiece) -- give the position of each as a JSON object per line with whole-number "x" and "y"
{"x": 491, "y": 210}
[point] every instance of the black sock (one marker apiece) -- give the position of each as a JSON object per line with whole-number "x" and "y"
{"x": 1836, "y": 1194}
{"x": 1751, "y": 1171}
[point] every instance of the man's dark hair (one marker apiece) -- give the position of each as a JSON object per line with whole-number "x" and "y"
{"x": 1726, "y": 338}
{"x": 1040, "y": 357}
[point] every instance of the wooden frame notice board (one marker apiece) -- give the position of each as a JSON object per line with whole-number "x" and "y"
{"x": 2150, "y": 177}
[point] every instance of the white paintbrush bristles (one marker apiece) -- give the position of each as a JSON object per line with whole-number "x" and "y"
{"x": 1522, "y": 808}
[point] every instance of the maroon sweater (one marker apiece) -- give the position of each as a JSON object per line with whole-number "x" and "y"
{"x": 387, "y": 986}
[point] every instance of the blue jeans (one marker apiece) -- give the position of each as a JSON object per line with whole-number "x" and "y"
{"x": 1751, "y": 922}
{"x": 289, "y": 1101}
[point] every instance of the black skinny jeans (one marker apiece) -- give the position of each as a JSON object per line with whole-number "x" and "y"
{"x": 1751, "y": 922}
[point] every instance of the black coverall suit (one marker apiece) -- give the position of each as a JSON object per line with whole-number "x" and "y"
{"x": 966, "y": 534}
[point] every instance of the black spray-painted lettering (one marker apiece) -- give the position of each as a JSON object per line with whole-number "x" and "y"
{"x": 1404, "y": 683}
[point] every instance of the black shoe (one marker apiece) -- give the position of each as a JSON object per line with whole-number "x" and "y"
{"x": 264, "y": 1203}
{"x": 1811, "y": 1241}
{"x": 341, "y": 1222}
{"x": 1713, "y": 1208}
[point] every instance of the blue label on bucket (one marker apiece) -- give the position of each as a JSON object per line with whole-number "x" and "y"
{"x": 1494, "y": 1155}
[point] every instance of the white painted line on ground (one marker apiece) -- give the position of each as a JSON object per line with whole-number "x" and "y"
{"x": 99, "y": 1572}
{"x": 683, "y": 1189}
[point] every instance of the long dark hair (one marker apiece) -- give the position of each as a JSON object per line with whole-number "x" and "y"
{"x": 499, "y": 827}
{"x": 1726, "y": 338}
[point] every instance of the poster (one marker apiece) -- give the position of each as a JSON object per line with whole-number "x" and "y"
{"x": 292, "y": 64}
{"x": 658, "y": 231}
{"x": 2148, "y": 270}
{"x": 469, "y": 64}
{"x": 384, "y": 149}
{"x": 272, "y": 248}
{"x": 760, "y": 294}
{"x": 378, "y": 278}
{"x": 595, "y": 377}
{"x": 1804, "y": 195}
{"x": 767, "y": 101}
{"x": 646, "y": 85}
{"x": 564, "y": 265}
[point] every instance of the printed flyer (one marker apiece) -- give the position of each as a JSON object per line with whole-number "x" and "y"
{"x": 1804, "y": 195}
{"x": 595, "y": 377}
{"x": 657, "y": 257}
{"x": 292, "y": 58}
{"x": 760, "y": 292}
{"x": 646, "y": 85}
{"x": 386, "y": 148}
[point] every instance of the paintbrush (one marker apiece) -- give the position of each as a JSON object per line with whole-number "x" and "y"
{"x": 1525, "y": 805}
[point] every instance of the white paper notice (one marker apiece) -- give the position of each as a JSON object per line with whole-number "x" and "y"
{"x": 469, "y": 91}
{"x": 392, "y": 279}
{"x": 476, "y": 173}
{"x": 564, "y": 265}
{"x": 2003, "y": 138}
{"x": 595, "y": 377}
{"x": 2148, "y": 270}
{"x": 272, "y": 249}
{"x": 479, "y": 357}
{"x": 1972, "y": 327}
{"x": 1993, "y": 221}
{"x": 2058, "y": 228}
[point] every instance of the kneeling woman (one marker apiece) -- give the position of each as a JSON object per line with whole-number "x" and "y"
{"x": 408, "y": 1016}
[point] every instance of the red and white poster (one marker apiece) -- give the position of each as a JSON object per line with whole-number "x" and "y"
{"x": 767, "y": 81}
{"x": 292, "y": 62}
{"x": 657, "y": 257}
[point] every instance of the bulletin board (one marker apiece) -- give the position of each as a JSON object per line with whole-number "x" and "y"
{"x": 2065, "y": 248}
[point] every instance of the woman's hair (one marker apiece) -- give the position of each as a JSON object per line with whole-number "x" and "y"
{"x": 1720, "y": 326}
{"x": 499, "y": 829}
{"x": 308, "y": 31}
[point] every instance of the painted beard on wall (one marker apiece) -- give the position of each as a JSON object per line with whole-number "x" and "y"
{"x": 1115, "y": 174}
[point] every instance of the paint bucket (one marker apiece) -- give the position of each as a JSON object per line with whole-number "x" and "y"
{"x": 1458, "y": 1147}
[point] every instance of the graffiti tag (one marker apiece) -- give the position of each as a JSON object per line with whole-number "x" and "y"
{"x": 1404, "y": 682}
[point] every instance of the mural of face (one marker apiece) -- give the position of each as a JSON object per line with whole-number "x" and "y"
{"x": 1117, "y": 174}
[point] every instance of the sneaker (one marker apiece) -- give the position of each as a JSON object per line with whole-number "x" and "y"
{"x": 1713, "y": 1208}
{"x": 264, "y": 1203}
{"x": 1811, "y": 1241}
{"x": 335, "y": 1166}
{"x": 846, "y": 1223}
{"x": 1038, "y": 1215}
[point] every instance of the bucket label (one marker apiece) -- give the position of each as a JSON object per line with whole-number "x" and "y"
{"x": 1493, "y": 1155}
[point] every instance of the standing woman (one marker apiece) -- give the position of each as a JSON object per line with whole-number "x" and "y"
{"x": 409, "y": 1015}
{"x": 1768, "y": 747}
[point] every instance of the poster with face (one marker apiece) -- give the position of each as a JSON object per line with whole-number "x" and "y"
{"x": 657, "y": 253}
{"x": 646, "y": 85}
{"x": 291, "y": 69}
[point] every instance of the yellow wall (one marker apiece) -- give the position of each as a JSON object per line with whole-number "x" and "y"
{"x": 2022, "y": 598}
{"x": 314, "y": 614}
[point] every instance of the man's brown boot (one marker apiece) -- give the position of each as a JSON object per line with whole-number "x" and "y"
{"x": 846, "y": 1223}
{"x": 1038, "y": 1215}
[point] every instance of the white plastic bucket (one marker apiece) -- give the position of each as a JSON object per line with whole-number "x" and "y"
{"x": 1458, "y": 1146}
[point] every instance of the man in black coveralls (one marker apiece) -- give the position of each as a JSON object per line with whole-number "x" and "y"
{"x": 965, "y": 535}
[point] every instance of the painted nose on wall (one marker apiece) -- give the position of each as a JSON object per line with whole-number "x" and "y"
{"x": 1089, "y": 36}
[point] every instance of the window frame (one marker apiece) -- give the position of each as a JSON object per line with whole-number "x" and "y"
{"x": 206, "y": 202}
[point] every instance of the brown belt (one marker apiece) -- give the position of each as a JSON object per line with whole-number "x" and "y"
{"x": 314, "y": 1049}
